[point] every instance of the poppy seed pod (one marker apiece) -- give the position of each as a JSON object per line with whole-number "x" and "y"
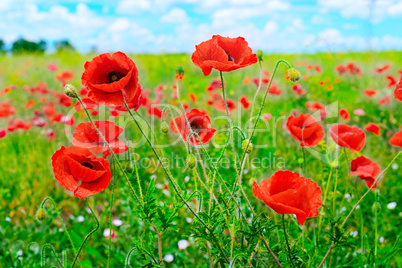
{"x": 41, "y": 214}
{"x": 164, "y": 127}
{"x": 247, "y": 146}
{"x": 70, "y": 91}
{"x": 376, "y": 207}
{"x": 191, "y": 161}
{"x": 259, "y": 55}
{"x": 180, "y": 70}
{"x": 294, "y": 75}
{"x": 129, "y": 167}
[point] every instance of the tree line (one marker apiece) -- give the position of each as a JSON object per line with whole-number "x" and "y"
{"x": 23, "y": 46}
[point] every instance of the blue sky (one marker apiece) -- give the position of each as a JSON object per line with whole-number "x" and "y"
{"x": 153, "y": 26}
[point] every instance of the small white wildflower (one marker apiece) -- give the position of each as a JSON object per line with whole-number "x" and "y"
{"x": 169, "y": 258}
{"x": 8, "y": 219}
{"x": 189, "y": 220}
{"x": 343, "y": 209}
{"x": 394, "y": 166}
{"x": 381, "y": 239}
{"x": 183, "y": 244}
{"x": 391, "y": 205}
{"x": 354, "y": 233}
{"x": 159, "y": 186}
{"x": 80, "y": 218}
{"x": 153, "y": 177}
{"x": 117, "y": 222}
{"x": 187, "y": 178}
{"x": 347, "y": 195}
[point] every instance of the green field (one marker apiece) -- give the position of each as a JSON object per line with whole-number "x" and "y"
{"x": 26, "y": 175}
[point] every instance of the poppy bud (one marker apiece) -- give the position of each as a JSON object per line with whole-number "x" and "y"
{"x": 259, "y": 55}
{"x": 247, "y": 146}
{"x": 129, "y": 167}
{"x": 70, "y": 91}
{"x": 41, "y": 214}
{"x": 294, "y": 75}
{"x": 180, "y": 70}
{"x": 376, "y": 207}
{"x": 191, "y": 161}
{"x": 164, "y": 127}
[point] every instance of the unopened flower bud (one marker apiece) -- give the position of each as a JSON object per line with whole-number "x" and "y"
{"x": 376, "y": 207}
{"x": 294, "y": 75}
{"x": 247, "y": 146}
{"x": 180, "y": 70}
{"x": 41, "y": 214}
{"x": 191, "y": 161}
{"x": 259, "y": 55}
{"x": 129, "y": 167}
{"x": 164, "y": 127}
{"x": 70, "y": 91}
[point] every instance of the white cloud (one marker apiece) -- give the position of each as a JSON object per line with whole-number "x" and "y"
{"x": 271, "y": 27}
{"x": 373, "y": 10}
{"x": 176, "y": 15}
{"x": 119, "y": 25}
{"x": 132, "y": 7}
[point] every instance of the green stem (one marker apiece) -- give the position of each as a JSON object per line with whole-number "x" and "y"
{"x": 62, "y": 223}
{"x": 287, "y": 242}
{"x": 88, "y": 235}
{"x": 113, "y": 154}
{"x": 43, "y": 257}
{"x": 358, "y": 202}
{"x": 336, "y": 183}
{"x": 171, "y": 179}
{"x": 255, "y": 96}
{"x": 111, "y": 214}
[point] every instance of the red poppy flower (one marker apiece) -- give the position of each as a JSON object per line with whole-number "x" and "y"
{"x": 155, "y": 111}
{"x": 297, "y": 88}
{"x": 215, "y": 84}
{"x": 384, "y": 101}
{"x": 223, "y": 54}
{"x": 305, "y": 129}
{"x": 88, "y": 103}
{"x": 73, "y": 165}
{"x": 365, "y": 169}
{"x": 373, "y": 128}
{"x": 398, "y": 91}
{"x": 64, "y": 77}
{"x": 383, "y": 68}
{"x": 288, "y": 193}
{"x": 199, "y": 122}
{"x": 340, "y": 69}
{"x": 2, "y": 133}
{"x": 16, "y": 124}
{"x": 86, "y": 136}
{"x": 396, "y": 139}
{"x": 275, "y": 90}
{"x": 6, "y": 110}
{"x": 193, "y": 97}
{"x": 369, "y": 92}
{"x": 50, "y": 134}
{"x": 391, "y": 81}
{"x": 346, "y": 136}
{"x": 313, "y": 106}
{"x": 112, "y": 78}
{"x": 243, "y": 101}
{"x": 64, "y": 100}
{"x": 48, "y": 110}
{"x": 68, "y": 120}
{"x": 344, "y": 114}
{"x": 220, "y": 105}
{"x": 39, "y": 122}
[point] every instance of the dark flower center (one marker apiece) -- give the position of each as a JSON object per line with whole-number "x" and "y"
{"x": 195, "y": 127}
{"x": 230, "y": 58}
{"x": 88, "y": 165}
{"x": 113, "y": 76}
